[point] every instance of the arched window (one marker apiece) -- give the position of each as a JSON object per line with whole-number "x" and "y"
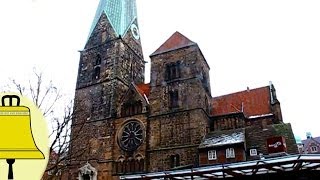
{"x": 98, "y": 60}
{"x": 173, "y": 71}
{"x": 96, "y": 73}
{"x": 131, "y": 165}
{"x": 139, "y": 163}
{"x": 120, "y": 165}
{"x": 131, "y": 108}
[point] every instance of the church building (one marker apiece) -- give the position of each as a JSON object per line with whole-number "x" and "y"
{"x": 122, "y": 125}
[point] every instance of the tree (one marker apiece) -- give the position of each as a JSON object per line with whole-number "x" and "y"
{"x": 48, "y": 98}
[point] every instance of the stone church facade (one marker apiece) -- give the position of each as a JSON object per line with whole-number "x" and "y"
{"x": 122, "y": 125}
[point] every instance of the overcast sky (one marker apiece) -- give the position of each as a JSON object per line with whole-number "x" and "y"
{"x": 246, "y": 43}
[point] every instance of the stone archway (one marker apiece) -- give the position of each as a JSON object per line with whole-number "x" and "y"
{"x": 87, "y": 172}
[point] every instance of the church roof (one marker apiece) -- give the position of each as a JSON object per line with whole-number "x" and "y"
{"x": 144, "y": 89}
{"x": 176, "y": 41}
{"x": 120, "y": 13}
{"x": 251, "y": 102}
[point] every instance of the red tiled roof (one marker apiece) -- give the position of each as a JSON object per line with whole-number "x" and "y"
{"x": 144, "y": 89}
{"x": 176, "y": 41}
{"x": 253, "y": 102}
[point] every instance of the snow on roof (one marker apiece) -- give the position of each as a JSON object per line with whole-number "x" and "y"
{"x": 259, "y": 116}
{"x": 222, "y": 138}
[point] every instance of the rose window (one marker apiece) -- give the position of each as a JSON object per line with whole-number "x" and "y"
{"x": 131, "y": 136}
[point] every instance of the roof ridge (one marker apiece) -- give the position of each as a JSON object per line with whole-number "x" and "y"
{"x": 175, "y": 41}
{"x": 241, "y": 91}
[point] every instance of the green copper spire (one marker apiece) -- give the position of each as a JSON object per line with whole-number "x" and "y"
{"x": 121, "y": 14}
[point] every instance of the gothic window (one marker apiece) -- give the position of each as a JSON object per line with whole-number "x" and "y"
{"x": 173, "y": 71}
{"x": 230, "y": 153}
{"x": 131, "y": 165}
{"x": 96, "y": 69}
{"x": 96, "y": 73}
{"x": 131, "y": 136}
{"x": 120, "y": 165}
{"x": 131, "y": 108}
{"x": 174, "y": 161}
{"x": 139, "y": 163}
{"x": 174, "y": 99}
{"x": 98, "y": 60}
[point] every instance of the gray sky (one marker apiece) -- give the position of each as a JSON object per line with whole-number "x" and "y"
{"x": 246, "y": 43}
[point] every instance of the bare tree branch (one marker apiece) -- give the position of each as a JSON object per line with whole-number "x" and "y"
{"x": 47, "y": 97}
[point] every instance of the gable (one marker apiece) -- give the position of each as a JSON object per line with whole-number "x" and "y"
{"x": 135, "y": 94}
{"x": 307, "y": 143}
{"x": 176, "y": 41}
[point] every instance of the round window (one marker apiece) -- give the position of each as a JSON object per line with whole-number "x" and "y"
{"x": 131, "y": 136}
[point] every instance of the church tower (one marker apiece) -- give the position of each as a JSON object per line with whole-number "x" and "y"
{"x": 112, "y": 58}
{"x": 179, "y": 99}
{"x": 110, "y": 62}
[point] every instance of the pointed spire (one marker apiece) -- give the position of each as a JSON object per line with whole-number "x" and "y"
{"x": 176, "y": 41}
{"x": 121, "y": 14}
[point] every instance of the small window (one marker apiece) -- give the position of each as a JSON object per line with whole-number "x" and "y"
{"x": 98, "y": 60}
{"x": 174, "y": 99}
{"x": 96, "y": 73}
{"x": 173, "y": 71}
{"x": 174, "y": 161}
{"x": 253, "y": 152}
{"x": 212, "y": 155}
{"x": 230, "y": 153}
{"x": 314, "y": 148}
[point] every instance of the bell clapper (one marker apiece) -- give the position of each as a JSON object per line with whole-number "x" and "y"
{"x": 10, "y": 173}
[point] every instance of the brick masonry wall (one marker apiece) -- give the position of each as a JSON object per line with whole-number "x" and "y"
{"x": 177, "y": 133}
{"x": 160, "y": 160}
{"x": 257, "y": 137}
{"x": 192, "y": 92}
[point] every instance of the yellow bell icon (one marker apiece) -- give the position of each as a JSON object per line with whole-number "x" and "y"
{"x": 16, "y": 139}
